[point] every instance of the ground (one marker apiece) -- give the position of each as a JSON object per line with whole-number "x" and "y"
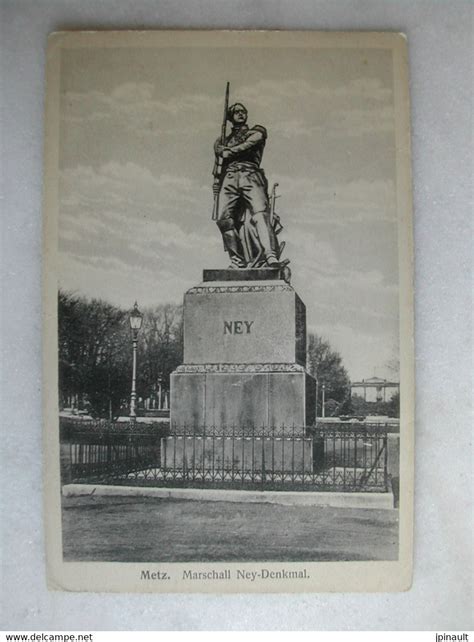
{"x": 129, "y": 529}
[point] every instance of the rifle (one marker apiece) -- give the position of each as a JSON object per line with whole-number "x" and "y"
{"x": 219, "y": 161}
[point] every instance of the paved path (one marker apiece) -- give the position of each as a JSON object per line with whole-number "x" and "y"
{"x": 164, "y": 530}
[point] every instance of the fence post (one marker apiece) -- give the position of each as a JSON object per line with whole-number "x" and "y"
{"x": 355, "y": 455}
{"x": 293, "y": 454}
{"x": 70, "y": 463}
{"x": 185, "y": 461}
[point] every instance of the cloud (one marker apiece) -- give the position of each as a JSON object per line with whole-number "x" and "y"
{"x": 364, "y": 354}
{"x": 135, "y": 106}
{"x": 362, "y": 106}
{"x": 335, "y": 202}
{"x": 335, "y": 292}
{"x": 120, "y": 220}
{"x": 108, "y": 279}
{"x": 132, "y": 191}
{"x": 359, "y": 107}
{"x": 263, "y": 91}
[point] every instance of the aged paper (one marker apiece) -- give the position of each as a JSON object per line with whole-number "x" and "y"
{"x": 228, "y": 312}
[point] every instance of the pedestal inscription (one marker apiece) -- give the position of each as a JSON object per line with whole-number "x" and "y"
{"x": 256, "y": 322}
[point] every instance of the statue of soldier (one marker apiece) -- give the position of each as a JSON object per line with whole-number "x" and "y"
{"x": 240, "y": 188}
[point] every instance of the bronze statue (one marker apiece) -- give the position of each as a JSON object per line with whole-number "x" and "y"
{"x": 243, "y": 210}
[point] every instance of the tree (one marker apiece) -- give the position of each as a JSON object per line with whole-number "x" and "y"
{"x": 360, "y": 407}
{"x": 393, "y": 406}
{"x": 325, "y": 364}
{"x": 160, "y": 347}
{"x": 94, "y": 352}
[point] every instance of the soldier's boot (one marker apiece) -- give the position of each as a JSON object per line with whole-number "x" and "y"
{"x": 232, "y": 243}
{"x": 267, "y": 237}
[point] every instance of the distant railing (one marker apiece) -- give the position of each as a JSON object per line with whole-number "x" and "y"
{"x": 327, "y": 457}
{"x": 101, "y": 449}
{"x": 71, "y": 426}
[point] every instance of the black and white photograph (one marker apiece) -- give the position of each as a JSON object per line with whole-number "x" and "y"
{"x": 228, "y": 312}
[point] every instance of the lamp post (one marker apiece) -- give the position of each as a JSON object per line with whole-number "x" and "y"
{"x": 317, "y": 396}
{"x": 136, "y": 318}
{"x": 160, "y": 381}
{"x": 323, "y": 409}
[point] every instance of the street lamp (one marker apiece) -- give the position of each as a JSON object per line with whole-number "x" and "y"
{"x": 323, "y": 409}
{"x": 317, "y": 396}
{"x": 136, "y": 318}
{"x": 160, "y": 381}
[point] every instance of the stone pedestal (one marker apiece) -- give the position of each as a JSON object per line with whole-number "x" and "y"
{"x": 244, "y": 363}
{"x": 222, "y": 397}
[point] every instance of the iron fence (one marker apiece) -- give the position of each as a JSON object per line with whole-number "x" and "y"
{"x": 344, "y": 457}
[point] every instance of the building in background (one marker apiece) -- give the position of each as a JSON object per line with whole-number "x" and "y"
{"x": 375, "y": 389}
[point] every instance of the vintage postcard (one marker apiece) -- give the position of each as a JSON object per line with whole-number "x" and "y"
{"x": 228, "y": 312}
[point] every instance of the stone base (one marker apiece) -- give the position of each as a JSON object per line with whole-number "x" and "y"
{"x": 252, "y": 396}
{"x": 247, "y": 274}
{"x": 285, "y": 498}
{"x": 237, "y": 456}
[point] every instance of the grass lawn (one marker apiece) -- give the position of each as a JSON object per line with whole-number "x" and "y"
{"x": 128, "y": 529}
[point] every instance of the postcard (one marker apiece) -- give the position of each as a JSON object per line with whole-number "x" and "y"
{"x": 228, "y": 312}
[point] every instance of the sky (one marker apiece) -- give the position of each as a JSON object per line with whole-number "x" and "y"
{"x": 135, "y": 199}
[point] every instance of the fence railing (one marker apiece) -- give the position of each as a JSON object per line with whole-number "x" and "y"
{"x": 345, "y": 457}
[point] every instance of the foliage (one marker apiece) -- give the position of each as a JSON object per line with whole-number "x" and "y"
{"x": 325, "y": 364}
{"x": 92, "y": 358}
{"x": 160, "y": 348}
{"x": 95, "y": 352}
{"x": 393, "y": 409}
{"x": 358, "y": 406}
